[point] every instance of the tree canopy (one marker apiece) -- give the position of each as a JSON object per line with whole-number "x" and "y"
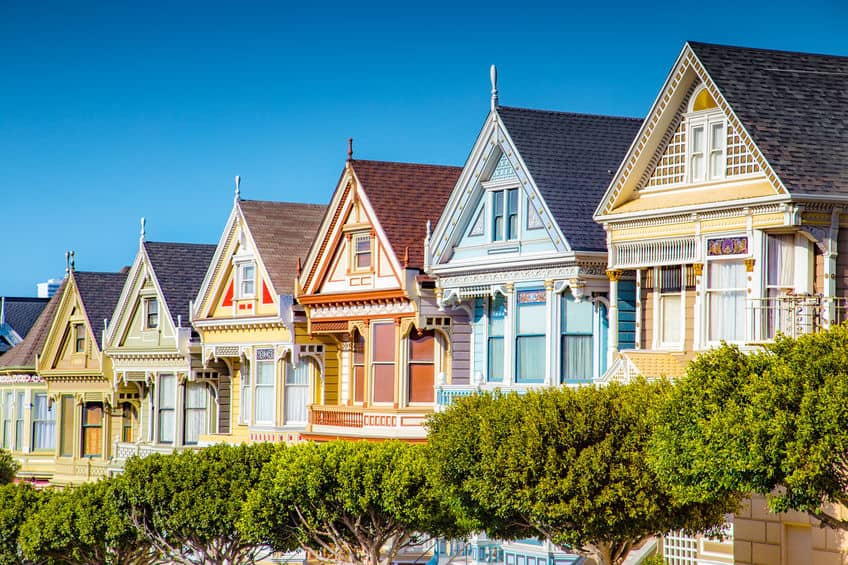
{"x": 8, "y": 467}
{"x": 17, "y": 503}
{"x": 347, "y": 502}
{"x": 82, "y": 525}
{"x": 773, "y": 422}
{"x": 567, "y": 465}
{"x": 187, "y": 504}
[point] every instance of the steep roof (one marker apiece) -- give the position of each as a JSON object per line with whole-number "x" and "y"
{"x": 404, "y": 196}
{"x": 572, "y": 159}
{"x": 21, "y": 313}
{"x": 23, "y": 354}
{"x": 282, "y": 232}
{"x": 794, "y": 106}
{"x": 179, "y": 269}
{"x": 99, "y": 293}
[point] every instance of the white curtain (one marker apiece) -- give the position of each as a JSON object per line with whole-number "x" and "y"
{"x": 264, "y": 408}
{"x": 167, "y": 407}
{"x": 196, "y": 408}
{"x": 727, "y": 300}
{"x": 8, "y": 413}
{"x": 297, "y": 391}
{"x": 781, "y": 251}
{"x": 43, "y": 423}
{"x": 531, "y": 358}
{"x": 576, "y": 357}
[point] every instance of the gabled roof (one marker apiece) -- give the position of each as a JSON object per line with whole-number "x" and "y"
{"x": 21, "y": 313}
{"x": 404, "y": 196}
{"x": 99, "y": 293}
{"x": 282, "y": 232}
{"x": 572, "y": 159}
{"x": 23, "y": 354}
{"x": 179, "y": 268}
{"x": 793, "y": 105}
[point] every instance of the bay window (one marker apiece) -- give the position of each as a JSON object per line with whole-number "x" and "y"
{"x": 167, "y": 408}
{"x": 92, "y": 429}
{"x": 297, "y": 390}
{"x": 422, "y": 366}
{"x": 195, "y": 411}
{"x": 383, "y": 361}
{"x": 531, "y": 312}
{"x": 576, "y": 321}
{"x": 264, "y": 387}
{"x": 726, "y": 290}
{"x": 495, "y": 349}
{"x": 43, "y": 423}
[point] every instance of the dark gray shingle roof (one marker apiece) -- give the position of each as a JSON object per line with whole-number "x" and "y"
{"x": 795, "y": 107}
{"x": 571, "y": 158}
{"x": 23, "y": 354}
{"x": 21, "y": 313}
{"x": 180, "y": 269}
{"x": 99, "y": 293}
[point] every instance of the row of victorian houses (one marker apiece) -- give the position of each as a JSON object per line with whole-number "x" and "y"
{"x": 570, "y": 249}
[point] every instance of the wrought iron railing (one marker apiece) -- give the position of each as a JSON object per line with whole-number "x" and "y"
{"x": 795, "y": 314}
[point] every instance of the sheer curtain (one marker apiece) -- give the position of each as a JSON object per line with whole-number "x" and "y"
{"x": 576, "y": 323}
{"x": 780, "y": 278}
{"x": 43, "y": 423}
{"x": 167, "y": 407}
{"x": 297, "y": 391}
{"x": 196, "y": 405}
{"x": 530, "y": 341}
{"x": 727, "y": 300}
{"x": 264, "y": 409}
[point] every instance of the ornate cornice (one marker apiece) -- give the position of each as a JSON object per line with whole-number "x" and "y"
{"x": 587, "y": 269}
{"x": 355, "y": 310}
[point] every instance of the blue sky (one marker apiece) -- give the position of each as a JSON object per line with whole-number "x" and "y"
{"x": 110, "y": 111}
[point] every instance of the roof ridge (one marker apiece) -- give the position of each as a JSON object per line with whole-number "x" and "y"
{"x": 179, "y": 243}
{"x": 765, "y": 50}
{"x": 98, "y": 273}
{"x": 242, "y": 200}
{"x": 435, "y": 165}
{"x": 566, "y": 113}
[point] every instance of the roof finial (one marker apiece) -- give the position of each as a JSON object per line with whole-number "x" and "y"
{"x": 141, "y": 236}
{"x": 67, "y": 262}
{"x": 72, "y": 260}
{"x": 238, "y": 191}
{"x": 493, "y": 75}
{"x": 349, "y": 148}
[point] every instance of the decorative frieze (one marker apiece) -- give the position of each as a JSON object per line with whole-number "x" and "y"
{"x": 362, "y": 310}
{"x": 20, "y": 379}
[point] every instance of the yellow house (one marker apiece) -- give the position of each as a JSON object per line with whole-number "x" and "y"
{"x": 27, "y": 416}
{"x": 365, "y": 292}
{"x": 247, "y": 320}
{"x": 79, "y": 376}
{"x": 729, "y": 212}
{"x": 172, "y": 398}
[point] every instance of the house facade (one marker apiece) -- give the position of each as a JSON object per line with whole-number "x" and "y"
{"x": 729, "y": 212}
{"x": 247, "y": 321}
{"x": 79, "y": 377}
{"x": 172, "y": 398}
{"x": 364, "y": 292}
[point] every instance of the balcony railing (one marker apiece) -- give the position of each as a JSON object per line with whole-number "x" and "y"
{"x": 795, "y": 315}
{"x": 447, "y": 393}
{"x": 372, "y": 421}
{"x": 125, "y": 450}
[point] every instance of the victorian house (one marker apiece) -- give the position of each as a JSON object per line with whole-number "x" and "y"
{"x": 79, "y": 376}
{"x": 245, "y": 315}
{"x": 728, "y": 211}
{"x": 365, "y": 295}
{"x": 168, "y": 398}
{"x": 27, "y": 415}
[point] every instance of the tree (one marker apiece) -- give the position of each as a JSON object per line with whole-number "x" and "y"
{"x": 82, "y": 525}
{"x": 773, "y": 422}
{"x": 566, "y": 465}
{"x": 17, "y": 503}
{"x": 347, "y": 502}
{"x": 187, "y": 504}
{"x": 8, "y": 467}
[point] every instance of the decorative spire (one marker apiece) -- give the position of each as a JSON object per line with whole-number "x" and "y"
{"x": 493, "y": 75}
{"x": 406, "y": 257}
{"x": 141, "y": 236}
{"x": 429, "y": 229}
{"x": 350, "y": 149}
{"x": 67, "y": 262}
{"x": 238, "y": 190}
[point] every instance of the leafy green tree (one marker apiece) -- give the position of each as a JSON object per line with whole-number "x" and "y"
{"x": 82, "y": 525}
{"x": 773, "y": 422}
{"x": 8, "y": 467}
{"x": 564, "y": 464}
{"x": 186, "y": 505}
{"x": 17, "y": 503}
{"x": 347, "y": 502}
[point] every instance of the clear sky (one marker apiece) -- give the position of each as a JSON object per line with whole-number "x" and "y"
{"x": 110, "y": 111}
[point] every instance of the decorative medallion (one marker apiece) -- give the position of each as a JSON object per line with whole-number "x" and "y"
{"x": 531, "y": 296}
{"x": 727, "y": 246}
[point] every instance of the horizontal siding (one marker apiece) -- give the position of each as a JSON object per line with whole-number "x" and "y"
{"x": 461, "y": 348}
{"x": 626, "y": 314}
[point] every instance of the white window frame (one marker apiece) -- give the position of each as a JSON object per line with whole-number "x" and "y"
{"x": 148, "y": 302}
{"x": 245, "y": 392}
{"x": 186, "y": 409}
{"x": 661, "y": 341}
{"x": 354, "y": 253}
{"x": 255, "y": 387}
{"x": 43, "y": 426}
{"x": 172, "y": 409}
{"x": 706, "y": 119}
{"x": 505, "y": 189}
{"x": 241, "y": 279}
{"x": 708, "y": 291}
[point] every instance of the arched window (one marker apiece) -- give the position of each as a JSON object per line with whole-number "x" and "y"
{"x": 707, "y": 138}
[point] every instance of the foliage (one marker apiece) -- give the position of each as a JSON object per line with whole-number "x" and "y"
{"x": 565, "y": 464}
{"x": 82, "y": 525}
{"x": 8, "y": 467}
{"x": 187, "y": 504}
{"x": 347, "y": 502}
{"x": 774, "y": 422}
{"x": 17, "y": 503}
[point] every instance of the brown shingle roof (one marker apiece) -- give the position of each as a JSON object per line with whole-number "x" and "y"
{"x": 404, "y": 196}
{"x": 282, "y": 231}
{"x": 23, "y": 354}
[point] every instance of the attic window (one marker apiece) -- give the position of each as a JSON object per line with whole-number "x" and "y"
{"x": 151, "y": 313}
{"x": 361, "y": 252}
{"x": 79, "y": 338}
{"x": 247, "y": 280}
{"x": 707, "y": 139}
{"x": 505, "y": 214}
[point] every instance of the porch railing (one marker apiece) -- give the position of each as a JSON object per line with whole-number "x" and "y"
{"x": 795, "y": 315}
{"x": 341, "y": 416}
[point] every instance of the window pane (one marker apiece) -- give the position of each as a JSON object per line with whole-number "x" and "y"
{"x": 781, "y": 249}
{"x": 496, "y": 359}
{"x": 717, "y": 135}
{"x": 43, "y": 423}
{"x": 91, "y": 441}
{"x": 577, "y": 317}
{"x": 531, "y": 318}
{"x": 67, "y": 448}
{"x": 421, "y": 348}
{"x": 421, "y": 382}
{"x": 167, "y": 423}
{"x": 498, "y": 215}
{"x": 264, "y": 410}
{"x": 697, "y": 139}
{"x": 697, "y": 167}
{"x": 384, "y": 383}
{"x": 576, "y": 357}
{"x": 301, "y": 373}
{"x": 167, "y": 391}
{"x": 92, "y": 422}
{"x": 726, "y": 275}
{"x": 93, "y": 415}
{"x": 384, "y": 342}
{"x": 297, "y": 391}
{"x": 196, "y": 395}
{"x": 531, "y": 358}
{"x": 363, "y": 252}
{"x": 265, "y": 372}
{"x": 358, "y": 349}
{"x": 497, "y": 313}
{"x": 727, "y": 315}
{"x": 359, "y": 384}
{"x": 670, "y": 311}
